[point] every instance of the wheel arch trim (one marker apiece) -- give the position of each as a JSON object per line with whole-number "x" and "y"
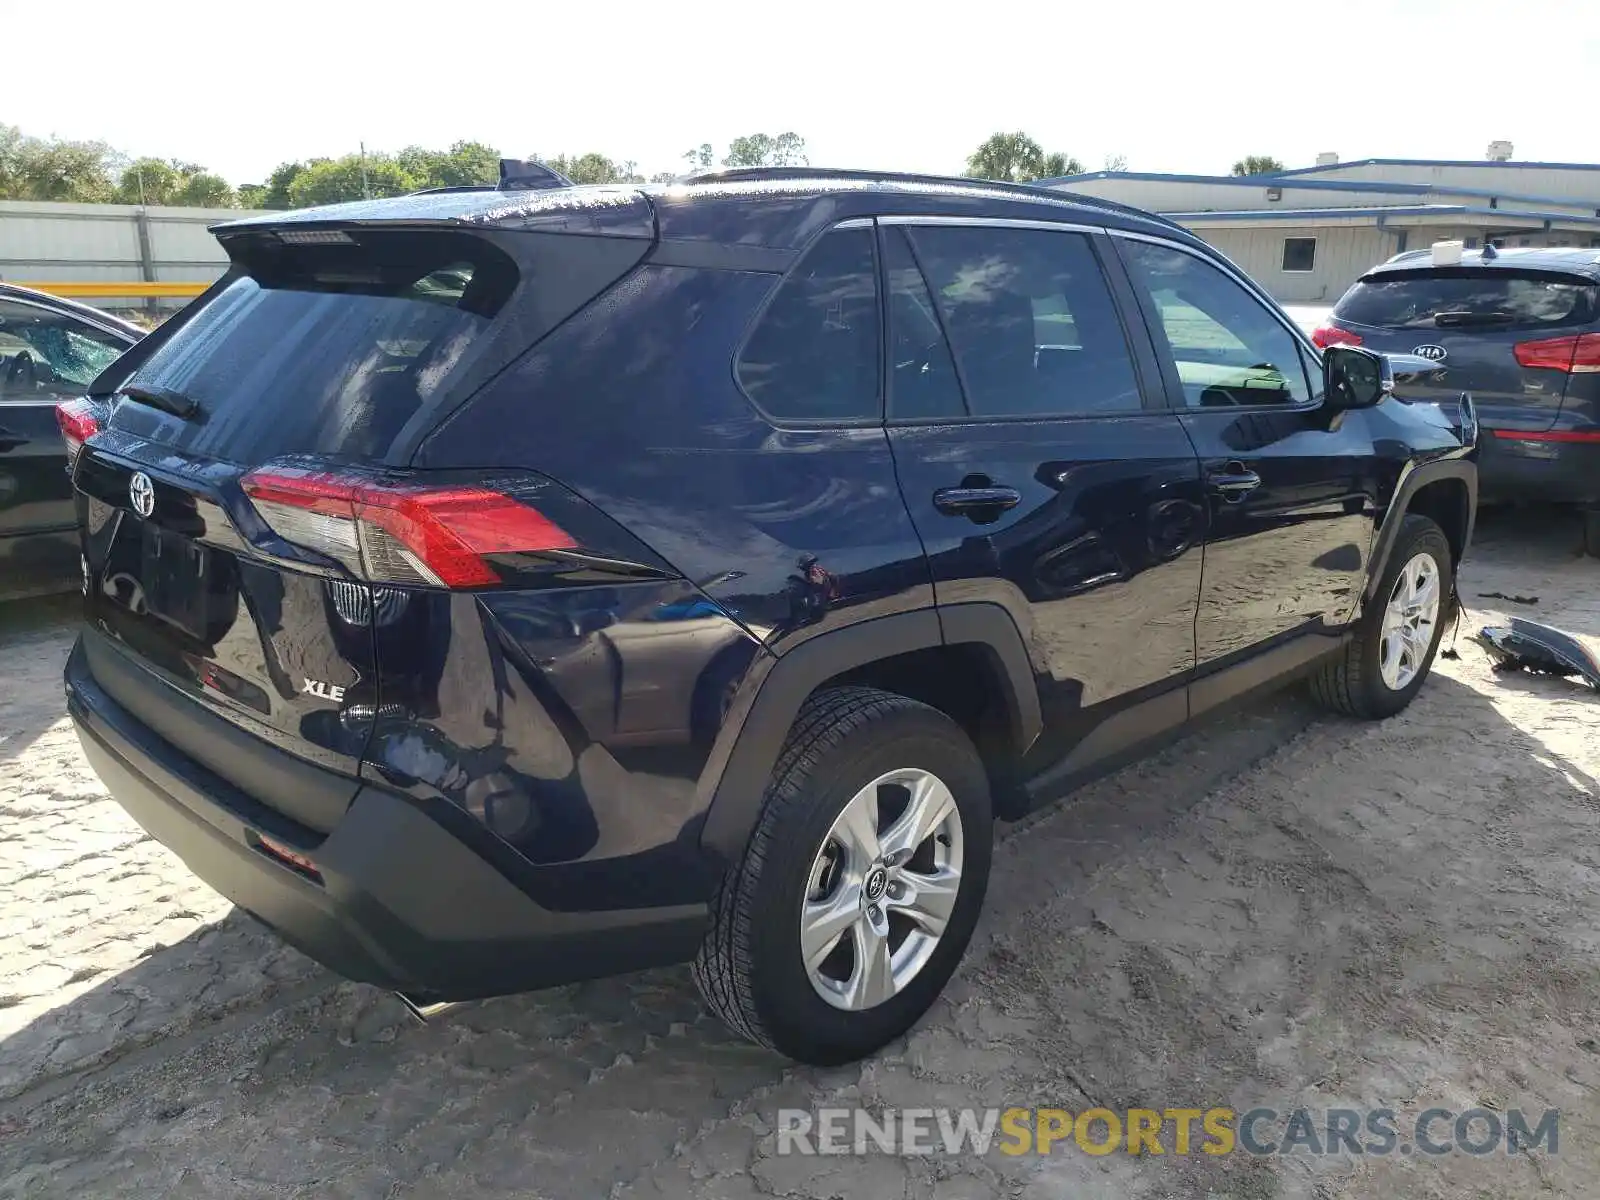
{"x": 735, "y": 778}
{"x": 1411, "y": 482}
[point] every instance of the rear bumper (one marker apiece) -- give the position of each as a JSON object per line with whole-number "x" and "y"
{"x": 401, "y": 902}
{"x": 1511, "y": 468}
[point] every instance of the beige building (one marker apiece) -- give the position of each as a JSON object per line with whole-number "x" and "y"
{"x": 1307, "y": 234}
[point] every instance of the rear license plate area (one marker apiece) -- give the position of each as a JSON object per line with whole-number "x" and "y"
{"x": 172, "y": 572}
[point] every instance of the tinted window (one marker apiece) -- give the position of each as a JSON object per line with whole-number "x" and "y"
{"x": 923, "y": 382}
{"x": 1299, "y": 254}
{"x": 44, "y": 353}
{"x": 814, "y": 353}
{"x": 332, "y": 347}
{"x": 1031, "y": 319}
{"x": 1486, "y": 299}
{"x": 1228, "y": 347}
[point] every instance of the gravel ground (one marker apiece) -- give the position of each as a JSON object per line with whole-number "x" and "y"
{"x": 1283, "y": 909}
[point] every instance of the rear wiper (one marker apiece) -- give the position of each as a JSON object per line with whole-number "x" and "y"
{"x": 165, "y": 399}
{"x": 1473, "y": 318}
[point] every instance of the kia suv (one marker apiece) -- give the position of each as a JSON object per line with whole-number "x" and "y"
{"x": 489, "y": 591}
{"x": 1520, "y": 330}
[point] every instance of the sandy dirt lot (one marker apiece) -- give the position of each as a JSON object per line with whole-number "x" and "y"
{"x": 1284, "y": 909}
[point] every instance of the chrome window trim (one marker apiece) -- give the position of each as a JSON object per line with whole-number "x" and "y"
{"x": 991, "y": 223}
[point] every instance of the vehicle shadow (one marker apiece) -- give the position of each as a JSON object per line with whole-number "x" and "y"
{"x": 35, "y": 638}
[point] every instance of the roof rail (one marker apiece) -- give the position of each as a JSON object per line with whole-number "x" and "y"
{"x": 1034, "y": 191}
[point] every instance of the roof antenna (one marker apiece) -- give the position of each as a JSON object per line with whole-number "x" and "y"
{"x": 1488, "y": 249}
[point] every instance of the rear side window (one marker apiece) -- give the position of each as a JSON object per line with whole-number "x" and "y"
{"x": 923, "y": 381}
{"x": 1031, "y": 319}
{"x": 1494, "y": 298}
{"x": 813, "y": 355}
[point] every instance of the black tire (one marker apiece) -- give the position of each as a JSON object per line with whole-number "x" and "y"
{"x": 1350, "y": 682}
{"x": 749, "y": 968}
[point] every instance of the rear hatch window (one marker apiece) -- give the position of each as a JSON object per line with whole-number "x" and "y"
{"x": 1494, "y": 298}
{"x": 352, "y": 341}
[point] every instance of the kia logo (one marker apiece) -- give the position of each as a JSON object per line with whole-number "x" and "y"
{"x": 143, "y": 494}
{"x": 1431, "y": 352}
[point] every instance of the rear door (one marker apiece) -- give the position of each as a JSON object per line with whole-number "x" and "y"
{"x": 1038, "y": 476}
{"x": 248, "y": 540}
{"x": 1292, "y": 495}
{"x": 1472, "y": 321}
{"x": 46, "y": 356}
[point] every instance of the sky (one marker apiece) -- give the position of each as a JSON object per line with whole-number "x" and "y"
{"x": 1178, "y": 87}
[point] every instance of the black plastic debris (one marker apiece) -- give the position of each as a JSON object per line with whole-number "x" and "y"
{"x": 1530, "y": 646}
{"x": 1512, "y": 599}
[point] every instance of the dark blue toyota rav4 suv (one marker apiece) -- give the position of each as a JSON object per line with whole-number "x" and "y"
{"x": 491, "y": 590}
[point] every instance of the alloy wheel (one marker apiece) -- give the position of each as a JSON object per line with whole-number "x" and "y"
{"x": 1409, "y": 621}
{"x": 882, "y": 889}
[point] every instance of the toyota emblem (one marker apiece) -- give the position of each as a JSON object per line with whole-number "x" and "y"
{"x": 1432, "y": 352}
{"x": 143, "y": 494}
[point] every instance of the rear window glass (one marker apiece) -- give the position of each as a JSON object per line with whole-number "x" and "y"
{"x": 1459, "y": 299}
{"x": 331, "y": 348}
{"x": 814, "y": 353}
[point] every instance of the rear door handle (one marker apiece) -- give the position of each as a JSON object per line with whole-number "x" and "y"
{"x": 10, "y": 441}
{"x": 970, "y": 501}
{"x": 1234, "y": 481}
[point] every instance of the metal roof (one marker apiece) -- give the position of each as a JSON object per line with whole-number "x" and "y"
{"x": 1331, "y": 185}
{"x": 1408, "y": 210}
{"x": 1435, "y": 162}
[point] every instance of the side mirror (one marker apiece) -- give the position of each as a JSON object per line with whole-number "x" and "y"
{"x": 1355, "y": 378}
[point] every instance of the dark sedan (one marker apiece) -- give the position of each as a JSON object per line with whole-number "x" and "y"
{"x": 49, "y": 351}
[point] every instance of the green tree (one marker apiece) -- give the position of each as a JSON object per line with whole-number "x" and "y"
{"x": 462, "y": 164}
{"x": 663, "y": 177}
{"x": 331, "y": 181}
{"x": 149, "y": 181}
{"x": 1115, "y": 162}
{"x": 53, "y": 168}
{"x": 281, "y": 180}
{"x": 761, "y": 150}
{"x": 592, "y": 168}
{"x": 1056, "y": 165}
{"x": 699, "y": 157}
{"x": 170, "y": 181}
{"x": 1017, "y": 158}
{"x": 252, "y": 195}
{"x": 203, "y": 189}
{"x": 1257, "y": 164}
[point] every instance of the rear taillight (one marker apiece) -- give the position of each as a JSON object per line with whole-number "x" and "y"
{"x": 1324, "y": 336}
{"x": 1577, "y": 354}
{"x": 78, "y": 424}
{"x": 401, "y": 532}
